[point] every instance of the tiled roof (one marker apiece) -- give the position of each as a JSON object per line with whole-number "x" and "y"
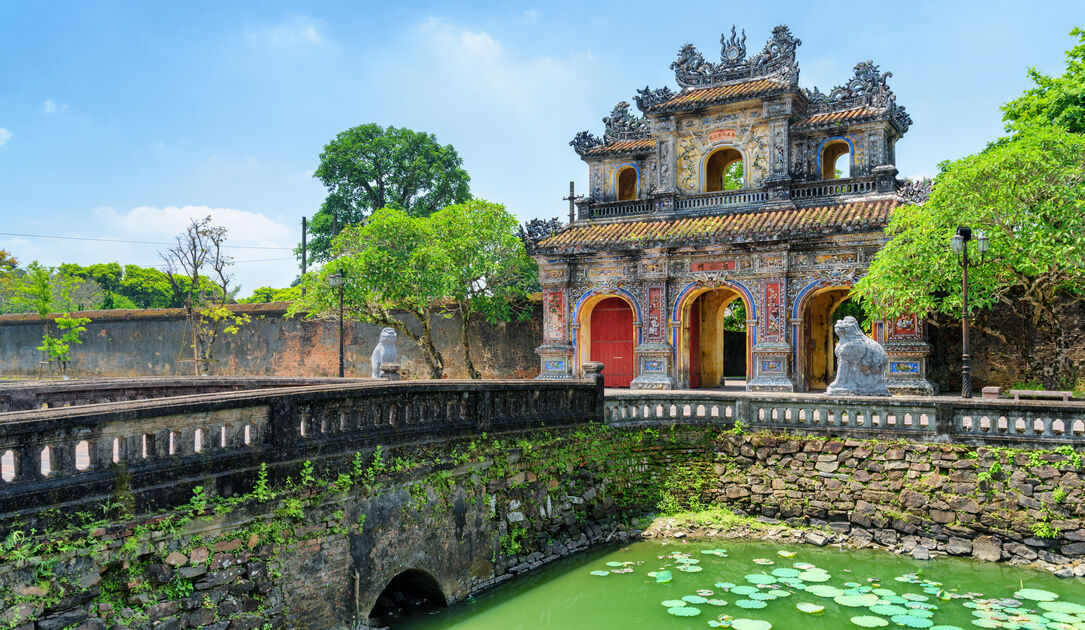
{"x": 622, "y": 146}
{"x": 844, "y": 116}
{"x": 721, "y": 94}
{"x": 764, "y": 225}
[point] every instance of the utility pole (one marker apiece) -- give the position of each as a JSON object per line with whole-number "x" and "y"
{"x": 304, "y": 229}
{"x": 572, "y": 203}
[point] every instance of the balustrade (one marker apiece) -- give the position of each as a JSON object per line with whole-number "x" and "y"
{"x": 84, "y": 448}
{"x": 920, "y": 418}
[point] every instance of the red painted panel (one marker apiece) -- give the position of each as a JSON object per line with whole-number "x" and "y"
{"x": 695, "y": 344}
{"x": 612, "y": 341}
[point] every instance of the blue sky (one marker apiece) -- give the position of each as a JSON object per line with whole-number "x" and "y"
{"x": 122, "y": 119}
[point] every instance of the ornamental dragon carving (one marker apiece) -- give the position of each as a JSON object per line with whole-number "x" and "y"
{"x": 584, "y": 141}
{"x": 621, "y": 125}
{"x": 869, "y": 87}
{"x": 778, "y": 60}
{"x": 649, "y": 98}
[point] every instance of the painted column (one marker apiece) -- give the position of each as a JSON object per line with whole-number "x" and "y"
{"x": 556, "y": 351}
{"x": 905, "y": 342}
{"x": 771, "y": 351}
{"x": 654, "y": 355}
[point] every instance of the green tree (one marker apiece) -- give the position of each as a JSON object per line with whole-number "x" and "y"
{"x": 369, "y": 167}
{"x": 264, "y": 295}
{"x": 1027, "y": 194}
{"x": 490, "y": 271}
{"x": 199, "y": 248}
{"x": 392, "y": 262}
{"x": 1054, "y": 101}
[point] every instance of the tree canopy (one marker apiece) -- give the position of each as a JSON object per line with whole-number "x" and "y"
{"x": 466, "y": 258}
{"x": 1053, "y": 101}
{"x": 369, "y": 167}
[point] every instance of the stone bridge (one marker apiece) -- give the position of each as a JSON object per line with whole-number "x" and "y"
{"x": 316, "y": 504}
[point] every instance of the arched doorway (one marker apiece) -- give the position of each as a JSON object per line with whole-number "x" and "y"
{"x": 836, "y": 160}
{"x": 410, "y": 593}
{"x": 626, "y": 183}
{"x": 715, "y": 346}
{"x": 610, "y": 339}
{"x": 822, "y": 310}
{"x": 723, "y": 170}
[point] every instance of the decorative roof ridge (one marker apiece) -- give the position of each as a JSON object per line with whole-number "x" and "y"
{"x": 868, "y": 87}
{"x": 777, "y": 59}
{"x": 619, "y": 126}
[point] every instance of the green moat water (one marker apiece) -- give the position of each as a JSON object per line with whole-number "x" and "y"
{"x": 848, "y": 584}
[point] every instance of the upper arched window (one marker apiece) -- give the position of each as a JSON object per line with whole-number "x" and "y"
{"x": 836, "y": 160}
{"x": 723, "y": 170}
{"x": 626, "y": 183}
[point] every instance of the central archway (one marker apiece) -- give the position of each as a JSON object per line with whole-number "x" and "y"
{"x": 714, "y": 340}
{"x": 411, "y": 592}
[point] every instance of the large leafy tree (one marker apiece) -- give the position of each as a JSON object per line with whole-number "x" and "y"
{"x": 392, "y": 262}
{"x": 1053, "y": 101}
{"x": 490, "y": 271}
{"x": 1027, "y": 193}
{"x": 369, "y": 167}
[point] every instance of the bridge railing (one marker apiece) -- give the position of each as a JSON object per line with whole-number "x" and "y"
{"x": 151, "y": 453}
{"x": 943, "y": 419}
{"x": 27, "y": 395}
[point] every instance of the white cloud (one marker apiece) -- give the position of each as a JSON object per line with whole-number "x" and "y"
{"x": 5, "y": 135}
{"x": 295, "y": 30}
{"x": 530, "y": 15}
{"x": 52, "y": 108}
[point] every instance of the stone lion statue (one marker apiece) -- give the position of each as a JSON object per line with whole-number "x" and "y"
{"x": 860, "y": 362}
{"x": 385, "y": 352}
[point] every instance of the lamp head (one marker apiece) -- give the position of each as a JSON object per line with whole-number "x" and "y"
{"x": 336, "y": 279}
{"x": 957, "y": 243}
{"x": 981, "y": 242}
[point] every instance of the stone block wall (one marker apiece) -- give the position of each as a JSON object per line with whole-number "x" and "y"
{"x": 147, "y": 343}
{"x": 1023, "y": 507}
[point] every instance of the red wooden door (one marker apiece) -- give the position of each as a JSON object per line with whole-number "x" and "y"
{"x": 612, "y": 341}
{"x": 695, "y": 344}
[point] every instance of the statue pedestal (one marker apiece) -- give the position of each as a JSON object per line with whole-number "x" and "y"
{"x": 555, "y": 362}
{"x": 653, "y": 361}
{"x": 772, "y": 368}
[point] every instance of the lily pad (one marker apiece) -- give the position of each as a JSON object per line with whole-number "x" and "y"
{"x": 856, "y": 601}
{"x": 1063, "y": 607}
{"x": 811, "y": 609}
{"x": 786, "y": 573}
{"x": 750, "y": 603}
{"x": 760, "y": 578}
{"x": 717, "y": 602}
{"x": 869, "y": 621}
{"x": 690, "y": 568}
{"x": 751, "y": 624}
{"x": 615, "y": 564}
{"x": 783, "y": 553}
{"x": 912, "y": 621}
{"x": 662, "y": 577}
{"x": 601, "y": 573}
{"x": 694, "y": 599}
{"x": 673, "y": 603}
{"x": 684, "y": 611}
{"x": 814, "y": 575}
{"x": 1036, "y": 595}
{"x": 744, "y": 590}
{"x": 824, "y": 590}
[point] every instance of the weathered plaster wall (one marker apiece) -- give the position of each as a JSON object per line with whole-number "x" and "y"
{"x": 147, "y": 343}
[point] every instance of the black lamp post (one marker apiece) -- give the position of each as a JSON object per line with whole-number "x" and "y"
{"x": 336, "y": 280}
{"x": 959, "y": 243}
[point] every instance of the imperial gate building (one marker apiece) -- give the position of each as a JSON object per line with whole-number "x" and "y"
{"x": 740, "y": 189}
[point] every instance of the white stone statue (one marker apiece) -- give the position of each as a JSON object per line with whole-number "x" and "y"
{"x": 385, "y": 352}
{"x": 860, "y": 362}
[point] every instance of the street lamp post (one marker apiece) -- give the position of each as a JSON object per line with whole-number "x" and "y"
{"x": 959, "y": 243}
{"x": 336, "y": 280}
